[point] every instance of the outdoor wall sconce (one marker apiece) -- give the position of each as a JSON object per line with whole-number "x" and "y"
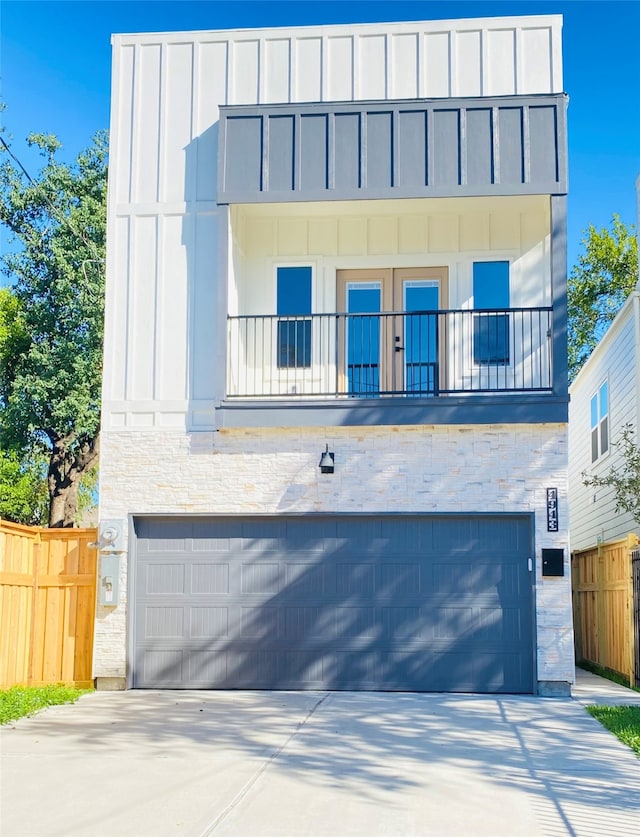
{"x": 327, "y": 462}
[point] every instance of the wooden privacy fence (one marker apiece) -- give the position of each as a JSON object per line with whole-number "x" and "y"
{"x": 47, "y": 605}
{"x": 603, "y": 607}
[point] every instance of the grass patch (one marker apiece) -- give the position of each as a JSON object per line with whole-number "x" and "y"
{"x": 622, "y": 721}
{"x": 20, "y": 701}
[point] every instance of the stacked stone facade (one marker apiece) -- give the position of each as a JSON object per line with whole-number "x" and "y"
{"x": 413, "y": 469}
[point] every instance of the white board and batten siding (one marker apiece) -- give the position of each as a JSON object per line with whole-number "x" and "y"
{"x": 163, "y": 366}
{"x": 616, "y": 360}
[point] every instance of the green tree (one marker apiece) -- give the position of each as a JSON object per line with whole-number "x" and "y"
{"x": 23, "y": 486}
{"x": 624, "y": 480}
{"x": 50, "y": 384}
{"x": 23, "y": 490}
{"x": 601, "y": 280}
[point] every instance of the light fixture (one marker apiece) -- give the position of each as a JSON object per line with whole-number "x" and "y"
{"x": 327, "y": 461}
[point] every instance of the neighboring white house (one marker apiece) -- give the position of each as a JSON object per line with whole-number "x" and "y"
{"x": 605, "y": 397}
{"x": 334, "y": 445}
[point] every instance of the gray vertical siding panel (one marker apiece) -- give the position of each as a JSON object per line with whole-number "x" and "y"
{"x": 479, "y": 146}
{"x": 244, "y": 153}
{"x": 412, "y": 148}
{"x": 446, "y": 147}
{"x": 379, "y": 157}
{"x": 313, "y": 152}
{"x": 511, "y": 138}
{"x": 507, "y": 145}
{"x": 347, "y": 151}
{"x": 543, "y": 143}
{"x": 281, "y": 154}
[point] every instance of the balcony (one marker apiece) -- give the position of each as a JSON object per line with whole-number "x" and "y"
{"x": 415, "y": 355}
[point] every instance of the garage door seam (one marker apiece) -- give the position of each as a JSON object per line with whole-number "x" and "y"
{"x": 247, "y": 787}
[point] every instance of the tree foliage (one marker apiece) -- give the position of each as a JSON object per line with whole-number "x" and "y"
{"x": 624, "y": 480}
{"x": 52, "y": 351}
{"x": 23, "y": 489}
{"x": 603, "y": 277}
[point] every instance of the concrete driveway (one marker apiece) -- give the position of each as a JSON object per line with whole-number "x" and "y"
{"x": 270, "y": 763}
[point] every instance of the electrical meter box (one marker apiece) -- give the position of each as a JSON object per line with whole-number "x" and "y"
{"x": 109, "y": 580}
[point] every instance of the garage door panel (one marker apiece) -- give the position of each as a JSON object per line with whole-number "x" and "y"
{"x": 165, "y": 578}
{"x": 259, "y": 622}
{"x": 161, "y": 666}
{"x": 411, "y": 602}
{"x": 163, "y": 622}
{"x": 209, "y": 579}
{"x": 261, "y": 579}
{"x": 209, "y": 623}
{"x": 207, "y": 669}
{"x": 356, "y": 578}
{"x": 352, "y": 622}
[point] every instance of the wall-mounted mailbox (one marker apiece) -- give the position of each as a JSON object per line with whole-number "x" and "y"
{"x": 553, "y": 562}
{"x": 109, "y": 581}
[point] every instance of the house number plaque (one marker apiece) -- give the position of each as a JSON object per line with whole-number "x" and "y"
{"x": 552, "y": 509}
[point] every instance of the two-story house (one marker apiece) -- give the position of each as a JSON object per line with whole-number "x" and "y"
{"x": 334, "y": 446}
{"x": 605, "y": 398}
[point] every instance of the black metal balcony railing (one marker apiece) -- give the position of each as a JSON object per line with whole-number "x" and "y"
{"x": 418, "y": 353}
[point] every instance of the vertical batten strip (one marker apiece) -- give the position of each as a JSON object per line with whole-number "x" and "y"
{"x": 363, "y": 119}
{"x": 495, "y": 139}
{"x": 191, "y": 181}
{"x": 155, "y": 336}
{"x": 526, "y": 145}
{"x": 395, "y": 150}
{"x": 462, "y": 146}
{"x": 162, "y": 80}
{"x": 262, "y": 92}
{"x": 331, "y": 151}
{"x": 485, "y": 60}
{"x": 518, "y": 62}
{"x": 324, "y": 69}
{"x": 264, "y": 151}
{"x": 421, "y": 69}
{"x": 453, "y": 63}
{"x": 297, "y": 152}
{"x": 356, "y": 86}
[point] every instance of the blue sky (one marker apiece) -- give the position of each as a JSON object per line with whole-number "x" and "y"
{"x": 55, "y": 64}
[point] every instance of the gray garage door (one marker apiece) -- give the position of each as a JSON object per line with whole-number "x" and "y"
{"x": 420, "y": 603}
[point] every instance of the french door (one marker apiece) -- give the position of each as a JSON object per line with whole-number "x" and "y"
{"x": 391, "y": 341}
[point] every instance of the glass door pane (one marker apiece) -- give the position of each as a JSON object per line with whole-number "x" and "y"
{"x": 421, "y": 302}
{"x": 363, "y": 337}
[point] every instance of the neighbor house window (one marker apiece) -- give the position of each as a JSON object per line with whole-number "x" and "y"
{"x": 490, "y": 329}
{"x": 600, "y": 422}
{"x": 294, "y": 326}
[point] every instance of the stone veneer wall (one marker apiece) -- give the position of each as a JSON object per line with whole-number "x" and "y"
{"x": 493, "y": 468}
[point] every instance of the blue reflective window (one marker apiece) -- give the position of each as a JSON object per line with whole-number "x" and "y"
{"x": 293, "y": 300}
{"x": 363, "y": 339}
{"x": 421, "y": 337}
{"x": 491, "y": 329}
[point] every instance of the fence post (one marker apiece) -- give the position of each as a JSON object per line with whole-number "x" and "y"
{"x": 576, "y": 600}
{"x": 600, "y": 609}
{"x": 632, "y": 542}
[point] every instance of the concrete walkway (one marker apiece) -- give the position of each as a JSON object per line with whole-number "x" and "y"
{"x": 590, "y": 689}
{"x": 208, "y": 764}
